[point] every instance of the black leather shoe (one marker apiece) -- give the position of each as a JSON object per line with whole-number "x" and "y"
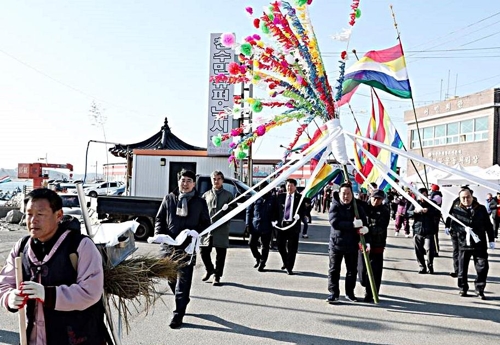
{"x": 207, "y": 276}
{"x": 256, "y": 264}
{"x": 261, "y": 268}
{"x": 422, "y": 271}
{"x": 463, "y": 293}
{"x": 290, "y": 272}
{"x": 431, "y": 269}
{"x": 332, "y": 299}
{"x": 216, "y": 281}
{"x": 283, "y": 267}
{"x": 368, "y": 299}
{"x": 176, "y": 321}
{"x": 453, "y": 274}
{"x": 480, "y": 294}
{"x": 351, "y": 298}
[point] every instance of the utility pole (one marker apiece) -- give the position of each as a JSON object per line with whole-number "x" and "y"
{"x": 246, "y": 121}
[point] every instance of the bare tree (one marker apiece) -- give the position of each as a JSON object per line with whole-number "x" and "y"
{"x": 98, "y": 119}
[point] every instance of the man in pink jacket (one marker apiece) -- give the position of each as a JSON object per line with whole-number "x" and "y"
{"x": 62, "y": 277}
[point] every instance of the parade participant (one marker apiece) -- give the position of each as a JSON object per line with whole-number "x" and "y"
{"x": 344, "y": 238}
{"x": 259, "y": 218}
{"x": 423, "y": 232}
{"x": 437, "y": 197}
{"x": 497, "y": 218}
{"x": 471, "y": 239}
{"x": 378, "y": 216}
{"x": 402, "y": 221}
{"x": 217, "y": 200}
{"x": 327, "y": 198}
{"x": 62, "y": 298}
{"x": 288, "y": 240}
{"x": 181, "y": 210}
{"x": 306, "y": 218}
{"x": 491, "y": 207}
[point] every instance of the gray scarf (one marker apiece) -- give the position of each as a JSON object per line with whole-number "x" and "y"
{"x": 182, "y": 204}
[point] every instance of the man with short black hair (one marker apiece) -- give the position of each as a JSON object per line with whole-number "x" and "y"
{"x": 344, "y": 238}
{"x": 289, "y": 216}
{"x": 183, "y": 209}
{"x": 378, "y": 216}
{"x": 471, "y": 239}
{"x": 424, "y": 230}
{"x": 218, "y": 200}
{"x": 61, "y": 295}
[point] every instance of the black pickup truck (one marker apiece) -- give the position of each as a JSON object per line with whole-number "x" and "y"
{"x": 144, "y": 209}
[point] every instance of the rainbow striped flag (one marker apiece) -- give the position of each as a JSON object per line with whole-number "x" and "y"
{"x": 381, "y": 69}
{"x": 325, "y": 175}
{"x": 387, "y": 134}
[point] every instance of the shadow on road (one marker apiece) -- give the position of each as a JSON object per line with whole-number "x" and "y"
{"x": 279, "y": 292}
{"x": 289, "y": 337}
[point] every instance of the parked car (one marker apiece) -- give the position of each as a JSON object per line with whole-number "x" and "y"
{"x": 119, "y": 191}
{"x": 102, "y": 188}
{"x": 71, "y": 206}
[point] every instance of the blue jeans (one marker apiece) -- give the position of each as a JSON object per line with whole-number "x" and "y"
{"x": 306, "y": 225}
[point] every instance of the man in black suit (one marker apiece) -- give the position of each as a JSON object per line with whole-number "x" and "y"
{"x": 289, "y": 214}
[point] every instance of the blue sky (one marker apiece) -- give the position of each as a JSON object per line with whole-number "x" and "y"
{"x": 144, "y": 61}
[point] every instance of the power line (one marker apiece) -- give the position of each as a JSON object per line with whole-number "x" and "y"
{"x": 69, "y": 86}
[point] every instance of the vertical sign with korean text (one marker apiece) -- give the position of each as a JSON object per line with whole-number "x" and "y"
{"x": 220, "y": 96}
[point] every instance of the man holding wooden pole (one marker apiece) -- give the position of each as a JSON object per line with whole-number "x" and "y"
{"x": 62, "y": 278}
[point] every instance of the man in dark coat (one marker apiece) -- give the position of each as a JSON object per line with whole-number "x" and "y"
{"x": 472, "y": 240}
{"x": 289, "y": 213}
{"x": 259, "y": 218}
{"x": 491, "y": 207}
{"x": 344, "y": 238}
{"x": 181, "y": 210}
{"x": 218, "y": 200}
{"x": 378, "y": 216}
{"x": 424, "y": 230}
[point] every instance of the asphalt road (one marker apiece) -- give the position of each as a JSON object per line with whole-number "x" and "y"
{"x": 273, "y": 308}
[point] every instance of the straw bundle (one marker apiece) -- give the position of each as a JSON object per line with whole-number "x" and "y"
{"x": 132, "y": 282}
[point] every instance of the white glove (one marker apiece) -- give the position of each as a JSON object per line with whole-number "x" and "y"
{"x": 274, "y": 223}
{"x": 418, "y": 209}
{"x": 296, "y": 217}
{"x": 193, "y": 233}
{"x": 447, "y": 231}
{"x": 367, "y": 247}
{"x": 492, "y": 245}
{"x": 15, "y": 300}
{"x": 224, "y": 207}
{"x": 358, "y": 223}
{"x": 364, "y": 230}
{"x": 33, "y": 290}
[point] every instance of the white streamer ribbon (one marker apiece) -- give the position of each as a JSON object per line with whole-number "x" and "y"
{"x": 192, "y": 248}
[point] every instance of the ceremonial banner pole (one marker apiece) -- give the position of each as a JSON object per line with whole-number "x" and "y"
{"x": 18, "y": 265}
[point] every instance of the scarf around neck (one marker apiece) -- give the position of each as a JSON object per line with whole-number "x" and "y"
{"x": 182, "y": 204}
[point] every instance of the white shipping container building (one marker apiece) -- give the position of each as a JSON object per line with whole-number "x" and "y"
{"x": 154, "y": 171}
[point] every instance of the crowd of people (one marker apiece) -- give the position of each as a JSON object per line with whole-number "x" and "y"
{"x": 53, "y": 285}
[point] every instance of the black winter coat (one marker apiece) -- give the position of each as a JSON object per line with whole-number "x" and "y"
{"x": 378, "y": 221}
{"x": 261, "y": 213}
{"x": 169, "y": 223}
{"x": 476, "y": 218}
{"x": 424, "y": 224}
{"x": 343, "y": 235}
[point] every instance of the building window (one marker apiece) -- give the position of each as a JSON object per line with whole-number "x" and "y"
{"x": 452, "y": 133}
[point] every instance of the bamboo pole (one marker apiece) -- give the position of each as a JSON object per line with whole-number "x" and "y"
{"x": 18, "y": 265}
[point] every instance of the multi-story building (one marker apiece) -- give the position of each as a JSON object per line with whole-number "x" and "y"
{"x": 462, "y": 130}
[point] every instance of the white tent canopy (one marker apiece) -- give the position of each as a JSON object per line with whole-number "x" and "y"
{"x": 436, "y": 175}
